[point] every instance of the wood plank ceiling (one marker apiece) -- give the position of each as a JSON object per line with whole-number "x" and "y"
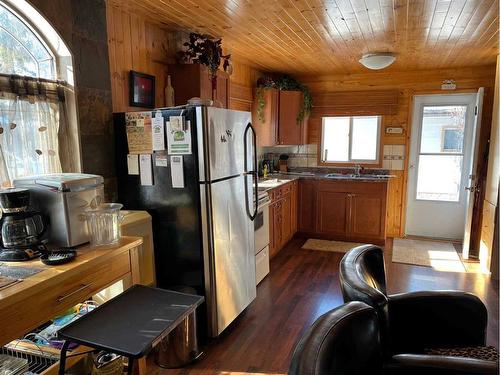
{"x": 329, "y": 36}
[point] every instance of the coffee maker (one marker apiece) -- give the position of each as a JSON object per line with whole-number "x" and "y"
{"x": 21, "y": 229}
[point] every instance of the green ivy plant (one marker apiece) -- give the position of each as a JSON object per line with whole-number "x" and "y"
{"x": 283, "y": 83}
{"x": 261, "y": 103}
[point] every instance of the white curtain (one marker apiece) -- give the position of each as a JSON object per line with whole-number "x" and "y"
{"x": 29, "y": 127}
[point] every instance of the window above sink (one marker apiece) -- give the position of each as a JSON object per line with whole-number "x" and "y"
{"x": 350, "y": 140}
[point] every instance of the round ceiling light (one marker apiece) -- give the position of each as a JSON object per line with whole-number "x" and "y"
{"x": 376, "y": 61}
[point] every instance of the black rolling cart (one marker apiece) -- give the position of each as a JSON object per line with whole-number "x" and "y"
{"x": 130, "y": 324}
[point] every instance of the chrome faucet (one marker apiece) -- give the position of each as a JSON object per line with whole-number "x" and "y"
{"x": 357, "y": 170}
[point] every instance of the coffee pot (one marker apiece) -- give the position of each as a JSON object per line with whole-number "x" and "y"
{"x": 21, "y": 229}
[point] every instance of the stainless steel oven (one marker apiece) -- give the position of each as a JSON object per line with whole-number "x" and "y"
{"x": 261, "y": 226}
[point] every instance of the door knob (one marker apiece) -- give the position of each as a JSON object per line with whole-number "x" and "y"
{"x": 472, "y": 189}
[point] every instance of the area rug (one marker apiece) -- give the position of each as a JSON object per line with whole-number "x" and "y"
{"x": 325, "y": 245}
{"x": 439, "y": 255}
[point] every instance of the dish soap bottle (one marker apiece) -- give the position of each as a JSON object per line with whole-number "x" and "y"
{"x": 265, "y": 171}
{"x": 169, "y": 93}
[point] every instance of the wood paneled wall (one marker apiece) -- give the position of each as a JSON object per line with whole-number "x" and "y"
{"x": 243, "y": 80}
{"x": 136, "y": 43}
{"x": 355, "y": 88}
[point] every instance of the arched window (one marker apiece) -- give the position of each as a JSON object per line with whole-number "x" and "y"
{"x": 35, "y": 66}
{"x": 21, "y": 50}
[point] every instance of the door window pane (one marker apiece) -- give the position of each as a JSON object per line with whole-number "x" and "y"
{"x": 443, "y": 129}
{"x": 336, "y": 138}
{"x": 439, "y": 177}
{"x": 364, "y": 138}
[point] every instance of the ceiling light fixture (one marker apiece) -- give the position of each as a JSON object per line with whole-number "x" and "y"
{"x": 376, "y": 61}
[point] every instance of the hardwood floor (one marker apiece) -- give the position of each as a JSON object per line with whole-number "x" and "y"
{"x": 302, "y": 285}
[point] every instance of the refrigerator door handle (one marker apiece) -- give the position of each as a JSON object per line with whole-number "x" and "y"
{"x": 253, "y": 172}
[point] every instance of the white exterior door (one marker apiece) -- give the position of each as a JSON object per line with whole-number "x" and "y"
{"x": 439, "y": 165}
{"x": 471, "y": 189}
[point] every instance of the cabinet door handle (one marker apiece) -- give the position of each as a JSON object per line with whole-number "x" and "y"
{"x": 81, "y": 288}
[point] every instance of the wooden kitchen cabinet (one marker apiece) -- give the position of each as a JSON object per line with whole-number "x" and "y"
{"x": 307, "y": 206}
{"x": 286, "y": 212}
{"x": 266, "y": 127}
{"x": 294, "y": 209}
{"x": 333, "y": 213}
{"x": 278, "y": 125}
{"x": 367, "y": 215}
{"x": 193, "y": 80}
{"x": 290, "y": 132}
{"x": 282, "y": 216}
{"x": 344, "y": 210}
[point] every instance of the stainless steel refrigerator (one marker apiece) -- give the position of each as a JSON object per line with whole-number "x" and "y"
{"x": 203, "y": 233}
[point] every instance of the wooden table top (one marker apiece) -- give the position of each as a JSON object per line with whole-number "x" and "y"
{"x": 53, "y": 274}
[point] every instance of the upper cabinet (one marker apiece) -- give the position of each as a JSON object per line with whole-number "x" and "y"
{"x": 276, "y": 123}
{"x": 193, "y": 80}
{"x": 265, "y": 121}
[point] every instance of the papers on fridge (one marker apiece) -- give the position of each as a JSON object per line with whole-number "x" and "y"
{"x": 178, "y": 136}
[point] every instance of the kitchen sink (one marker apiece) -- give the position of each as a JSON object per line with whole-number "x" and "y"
{"x": 272, "y": 182}
{"x": 341, "y": 175}
{"x": 355, "y": 176}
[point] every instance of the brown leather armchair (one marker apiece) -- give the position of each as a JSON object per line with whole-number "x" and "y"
{"x": 342, "y": 341}
{"x": 411, "y": 323}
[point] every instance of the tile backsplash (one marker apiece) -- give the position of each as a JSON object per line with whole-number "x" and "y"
{"x": 298, "y": 156}
{"x": 306, "y": 156}
{"x": 394, "y": 157}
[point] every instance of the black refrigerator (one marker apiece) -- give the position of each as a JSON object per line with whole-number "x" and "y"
{"x": 203, "y": 232}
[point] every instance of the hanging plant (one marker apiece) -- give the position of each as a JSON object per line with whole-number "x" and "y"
{"x": 205, "y": 50}
{"x": 284, "y": 83}
{"x": 261, "y": 103}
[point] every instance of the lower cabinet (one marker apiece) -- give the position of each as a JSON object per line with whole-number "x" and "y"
{"x": 367, "y": 215}
{"x": 282, "y": 216}
{"x": 333, "y": 213}
{"x": 344, "y": 210}
{"x": 306, "y": 216}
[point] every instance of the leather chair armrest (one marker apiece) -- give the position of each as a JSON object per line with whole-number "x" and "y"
{"x": 436, "y": 319}
{"x": 436, "y": 364}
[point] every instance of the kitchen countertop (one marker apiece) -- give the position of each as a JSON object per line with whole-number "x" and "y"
{"x": 46, "y": 294}
{"x": 275, "y": 180}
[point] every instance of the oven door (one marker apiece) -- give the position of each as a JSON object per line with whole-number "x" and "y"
{"x": 261, "y": 226}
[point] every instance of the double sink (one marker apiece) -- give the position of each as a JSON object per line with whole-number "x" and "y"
{"x": 352, "y": 176}
{"x": 271, "y": 183}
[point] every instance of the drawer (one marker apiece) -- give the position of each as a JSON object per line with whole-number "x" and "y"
{"x": 261, "y": 265}
{"x": 62, "y": 292}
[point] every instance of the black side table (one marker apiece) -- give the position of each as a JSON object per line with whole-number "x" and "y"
{"x": 130, "y": 324}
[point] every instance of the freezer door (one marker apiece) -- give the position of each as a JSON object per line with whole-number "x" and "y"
{"x": 229, "y": 252}
{"x": 221, "y": 154}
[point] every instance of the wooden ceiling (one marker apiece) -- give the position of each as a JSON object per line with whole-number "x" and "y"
{"x": 318, "y": 37}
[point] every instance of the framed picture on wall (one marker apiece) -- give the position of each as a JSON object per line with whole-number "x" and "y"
{"x": 142, "y": 90}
